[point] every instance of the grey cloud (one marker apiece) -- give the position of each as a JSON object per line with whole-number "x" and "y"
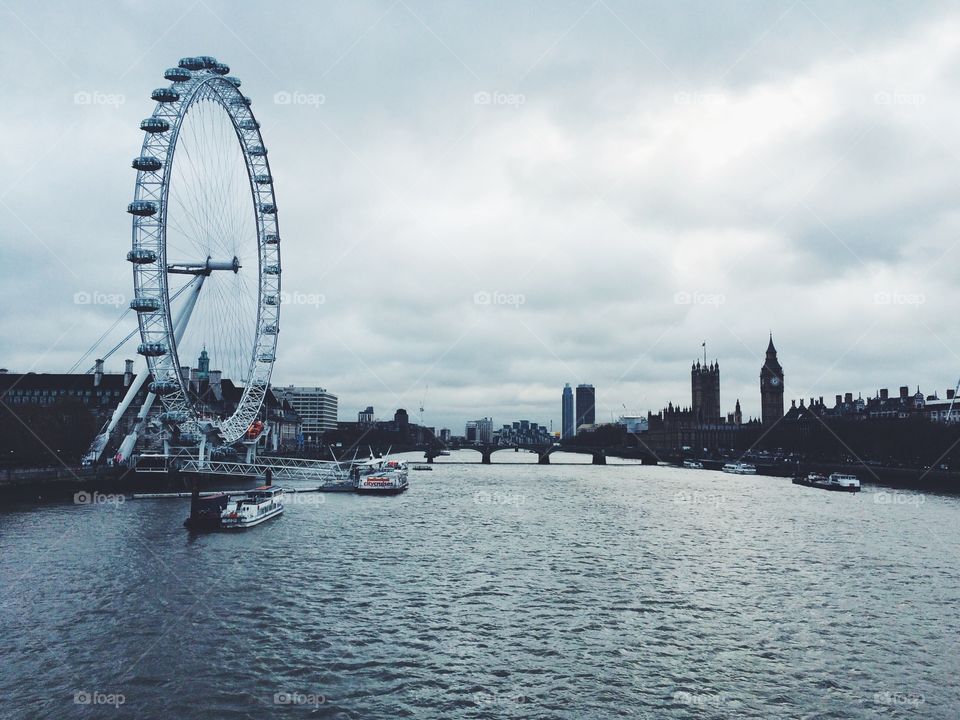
{"x": 599, "y": 198}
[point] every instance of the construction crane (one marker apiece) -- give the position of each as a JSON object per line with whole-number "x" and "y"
{"x": 422, "y": 403}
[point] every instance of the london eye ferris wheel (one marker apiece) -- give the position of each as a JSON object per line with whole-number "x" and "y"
{"x": 206, "y": 245}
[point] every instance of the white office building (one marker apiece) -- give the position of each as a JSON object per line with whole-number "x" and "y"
{"x": 316, "y": 407}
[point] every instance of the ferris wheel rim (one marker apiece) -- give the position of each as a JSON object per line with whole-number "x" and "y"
{"x": 198, "y": 79}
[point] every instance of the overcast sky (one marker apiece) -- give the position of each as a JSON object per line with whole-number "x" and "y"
{"x": 493, "y": 199}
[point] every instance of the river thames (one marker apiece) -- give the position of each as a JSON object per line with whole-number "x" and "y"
{"x": 492, "y": 591}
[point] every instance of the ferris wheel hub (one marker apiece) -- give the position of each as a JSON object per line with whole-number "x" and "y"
{"x": 204, "y": 268}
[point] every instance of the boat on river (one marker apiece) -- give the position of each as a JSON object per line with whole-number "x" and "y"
{"x": 381, "y": 477}
{"x": 235, "y": 510}
{"x": 740, "y": 468}
{"x": 838, "y": 482}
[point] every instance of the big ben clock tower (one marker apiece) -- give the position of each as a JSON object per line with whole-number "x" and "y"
{"x": 771, "y": 387}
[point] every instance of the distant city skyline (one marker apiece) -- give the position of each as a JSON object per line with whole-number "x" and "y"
{"x": 766, "y": 395}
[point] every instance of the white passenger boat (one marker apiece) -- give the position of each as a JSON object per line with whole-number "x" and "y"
{"x": 235, "y": 510}
{"x": 838, "y": 482}
{"x": 253, "y": 507}
{"x": 381, "y": 477}
{"x": 740, "y": 468}
{"x": 693, "y": 464}
{"x": 844, "y": 482}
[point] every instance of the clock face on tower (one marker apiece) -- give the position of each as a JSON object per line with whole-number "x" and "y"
{"x": 775, "y": 381}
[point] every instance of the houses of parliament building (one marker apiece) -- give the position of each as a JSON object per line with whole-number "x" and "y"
{"x": 702, "y": 424}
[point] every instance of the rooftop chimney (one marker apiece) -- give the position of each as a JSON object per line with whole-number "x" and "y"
{"x": 950, "y": 392}
{"x": 127, "y": 372}
{"x": 839, "y": 399}
{"x": 848, "y": 398}
{"x": 884, "y": 394}
{"x": 97, "y": 373}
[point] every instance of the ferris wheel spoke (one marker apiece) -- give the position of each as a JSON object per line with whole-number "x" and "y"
{"x": 190, "y": 205}
{"x": 213, "y": 200}
{"x": 218, "y": 193}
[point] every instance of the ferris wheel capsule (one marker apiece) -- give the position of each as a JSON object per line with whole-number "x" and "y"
{"x": 152, "y": 349}
{"x": 154, "y": 125}
{"x": 147, "y": 163}
{"x": 141, "y": 256}
{"x": 191, "y": 63}
{"x": 165, "y": 95}
{"x": 165, "y": 387}
{"x": 145, "y": 304}
{"x": 177, "y": 74}
{"x": 143, "y": 208}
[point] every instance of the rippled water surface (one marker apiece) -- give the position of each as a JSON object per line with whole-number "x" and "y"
{"x": 492, "y": 591}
